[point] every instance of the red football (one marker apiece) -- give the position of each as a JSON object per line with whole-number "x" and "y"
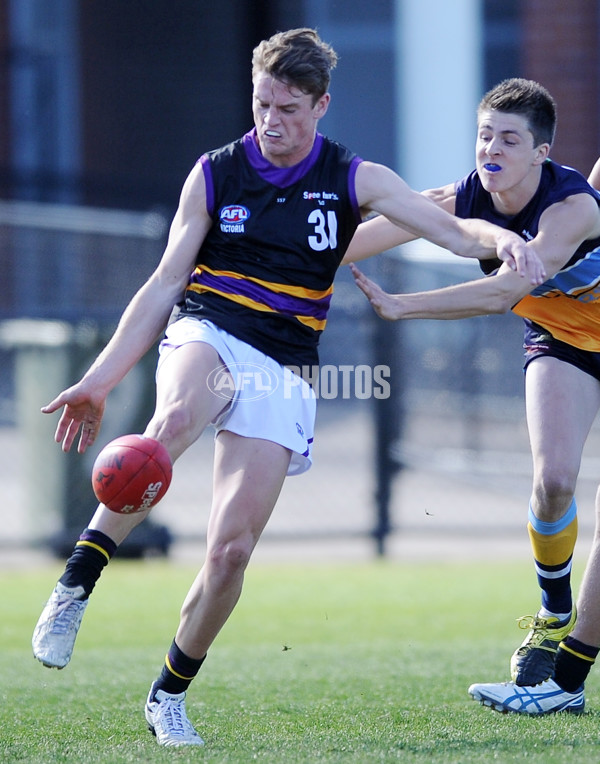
{"x": 131, "y": 474}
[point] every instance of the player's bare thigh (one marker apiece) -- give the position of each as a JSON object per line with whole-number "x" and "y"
{"x": 562, "y": 403}
{"x": 248, "y": 477}
{"x": 185, "y": 403}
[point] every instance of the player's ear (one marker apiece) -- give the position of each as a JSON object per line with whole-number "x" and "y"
{"x": 542, "y": 152}
{"x": 321, "y": 106}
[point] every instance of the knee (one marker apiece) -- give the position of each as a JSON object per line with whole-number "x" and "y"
{"x": 230, "y": 557}
{"x": 552, "y": 494}
{"x": 174, "y": 426}
{"x": 554, "y": 487}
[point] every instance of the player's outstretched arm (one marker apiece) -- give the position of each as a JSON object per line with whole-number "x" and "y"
{"x": 379, "y": 234}
{"x": 141, "y": 324}
{"x": 492, "y": 294}
{"x": 380, "y": 189}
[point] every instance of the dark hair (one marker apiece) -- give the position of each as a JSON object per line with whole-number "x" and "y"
{"x": 297, "y": 57}
{"x": 527, "y": 98}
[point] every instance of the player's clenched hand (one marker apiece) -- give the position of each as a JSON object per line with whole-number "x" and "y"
{"x": 521, "y": 257}
{"x": 384, "y": 304}
{"x": 81, "y": 409}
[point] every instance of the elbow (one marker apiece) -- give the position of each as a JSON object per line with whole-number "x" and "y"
{"x": 501, "y": 303}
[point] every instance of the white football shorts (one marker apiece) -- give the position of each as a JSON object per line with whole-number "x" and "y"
{"x": 268, "y": 401}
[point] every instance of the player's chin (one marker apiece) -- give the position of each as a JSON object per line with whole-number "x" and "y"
{"x": 271, "y": 142}
{"x": 491, "y": 183}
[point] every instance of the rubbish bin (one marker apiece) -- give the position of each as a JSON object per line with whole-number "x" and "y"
{"x": 49, "y": 356}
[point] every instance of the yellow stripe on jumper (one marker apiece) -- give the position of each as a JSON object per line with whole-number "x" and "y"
{"x": 294, "y": 291}
{"x": 310, "y": 321}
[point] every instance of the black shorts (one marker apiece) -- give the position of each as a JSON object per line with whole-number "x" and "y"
{"x": 539, "y": 342}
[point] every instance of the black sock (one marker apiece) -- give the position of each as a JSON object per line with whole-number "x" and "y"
{"x": 92, "y": 552}
{"x": 178, "y": 671}
{"x": 574, "y": 660}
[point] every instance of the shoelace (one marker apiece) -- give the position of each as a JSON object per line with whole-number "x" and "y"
{"x": 540, "y": 632}
{"x": 534, "y": 622}
{"x": 61, "y": 624}
{"x": 173, "y": 716}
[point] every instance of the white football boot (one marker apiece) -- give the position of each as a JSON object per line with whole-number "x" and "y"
{"x": 55, "y": 632}
{"x": 168, "y": 720}
{"x": 544, "y": 698}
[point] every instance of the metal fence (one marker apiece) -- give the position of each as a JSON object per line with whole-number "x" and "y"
{"x": 68, "y": 272}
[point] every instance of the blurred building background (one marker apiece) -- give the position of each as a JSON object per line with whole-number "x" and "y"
{"x": 105, "y": 107}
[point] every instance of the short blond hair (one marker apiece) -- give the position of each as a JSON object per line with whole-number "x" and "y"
{"x": 297, "y": 57}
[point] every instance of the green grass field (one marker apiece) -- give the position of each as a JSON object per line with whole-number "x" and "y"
{"x": 319, "y": 663}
